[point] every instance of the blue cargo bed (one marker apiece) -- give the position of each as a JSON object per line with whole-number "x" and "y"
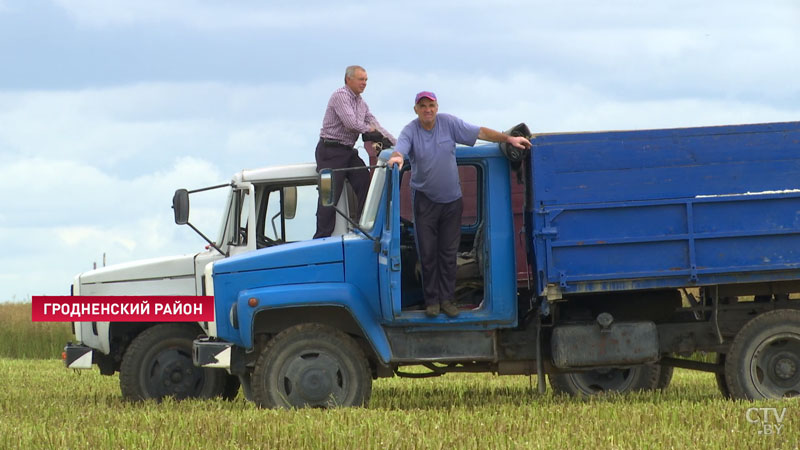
{"x": 666, "y": 208}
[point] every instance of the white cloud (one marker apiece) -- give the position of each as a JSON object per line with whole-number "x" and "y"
{"x": 87, "y": 125}
{"x": 130, "y": 128}
{"x": 548, "y": 104}
{"x": 69, "y": 214}
{"x": 62, "y": 191}
{"x": 209, "y": 15}
{"x": 75, "y": 236}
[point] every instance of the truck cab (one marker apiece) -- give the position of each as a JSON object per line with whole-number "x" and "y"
{"x": 265, "y": 208}
{"x": 366, "y": 283}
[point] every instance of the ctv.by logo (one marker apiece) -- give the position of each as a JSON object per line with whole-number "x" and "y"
{"x": 769, "y": 420}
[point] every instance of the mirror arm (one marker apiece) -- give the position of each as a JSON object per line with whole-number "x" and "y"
{"x": 187, "y": 215}
{"x": 231, "y": 184}
{"x": 207, "y": 239}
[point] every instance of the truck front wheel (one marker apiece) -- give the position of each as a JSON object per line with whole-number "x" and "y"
{"x": 311, "y": 365}
{"x": 764, "y": 359}
{"x": 593, "y": 382}
{"x": 158, "y": 364}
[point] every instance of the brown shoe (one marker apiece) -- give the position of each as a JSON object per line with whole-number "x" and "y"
{"x": 449, "y": 308}
{"x": 432, "y": 310}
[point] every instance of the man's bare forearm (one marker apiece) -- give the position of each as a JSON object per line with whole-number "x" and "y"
{"x": 488, "y": 134}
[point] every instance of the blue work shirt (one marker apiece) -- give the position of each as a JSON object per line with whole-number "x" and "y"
{"x": 433, "y": 155}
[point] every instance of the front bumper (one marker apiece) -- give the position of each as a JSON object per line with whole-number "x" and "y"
{"x": 77, "y": 356}
{"x": 215, "y": 354}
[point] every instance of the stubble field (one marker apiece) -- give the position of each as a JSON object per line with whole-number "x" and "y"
{"x": 44, "y": 405}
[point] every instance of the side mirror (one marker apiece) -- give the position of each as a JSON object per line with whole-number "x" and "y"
{"x": 325, "y": 186}
{"x": 289, "y": 202}
{"x": 180, "y": 206}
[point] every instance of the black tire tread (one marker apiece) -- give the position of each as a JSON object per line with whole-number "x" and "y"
{"x": 261, "y": 394}
{"x": 734, "y": 360}
{"x": 665, "y": 374}
{"x": 129, "y": 372}
{"x": 647, "y": 378}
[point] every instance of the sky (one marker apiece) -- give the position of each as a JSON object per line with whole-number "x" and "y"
{"x": 108, "y": 106}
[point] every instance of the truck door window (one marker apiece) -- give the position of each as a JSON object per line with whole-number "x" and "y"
{"x": 274, "y": 228}
{"x": 470, "y": 192}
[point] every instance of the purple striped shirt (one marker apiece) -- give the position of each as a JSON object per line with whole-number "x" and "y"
{"x": 347, "y": 116}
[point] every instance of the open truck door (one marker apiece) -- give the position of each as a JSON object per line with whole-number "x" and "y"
{"x": 389, "y": 256}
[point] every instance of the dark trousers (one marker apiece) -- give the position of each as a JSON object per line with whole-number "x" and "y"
{"x": 438, "y": 231}
{"x": 339, "y": 157}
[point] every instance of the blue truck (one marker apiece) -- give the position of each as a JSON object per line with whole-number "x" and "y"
{"x": 641, "y": 248}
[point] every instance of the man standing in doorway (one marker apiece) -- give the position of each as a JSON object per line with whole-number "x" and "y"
{"x": 346, "y": 117}
{"x": 429, "y": 142}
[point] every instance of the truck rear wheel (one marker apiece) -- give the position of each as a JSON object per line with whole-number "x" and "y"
{"x": 664, "y": 377}
{"x": 158, "y": 364}
{"x": 311, "y": 365}
{"x": 593, "y": 382}
{"x": 764, "y": 360}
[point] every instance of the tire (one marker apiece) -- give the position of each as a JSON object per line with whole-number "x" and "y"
{"x": 158, "y": 364}
{"x": 311, "y": 365}
{"x": 593, "y": 382}
{"x": 763, "y": 361}
{"x": 722, "y": 384}
{"x": 664, "y": 378}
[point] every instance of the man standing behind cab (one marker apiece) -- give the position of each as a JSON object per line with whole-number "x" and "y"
{"x": 429, "y": 142}
{"x": 346, "y": 117}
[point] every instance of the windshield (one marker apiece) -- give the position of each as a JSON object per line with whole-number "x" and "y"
{"x": 374, "y": 197}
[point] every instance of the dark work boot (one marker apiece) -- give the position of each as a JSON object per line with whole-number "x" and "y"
{"x": 449, "y": 308}
{"x": 432, "y": 310}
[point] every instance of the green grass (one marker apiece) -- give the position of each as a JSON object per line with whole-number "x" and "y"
{"x": 45, "y": 405}
{"x": 22, "y": 338}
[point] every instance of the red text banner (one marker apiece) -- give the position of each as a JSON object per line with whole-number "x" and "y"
{"x": 146, "y": 308}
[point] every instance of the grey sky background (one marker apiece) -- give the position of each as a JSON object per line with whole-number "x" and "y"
{"x": 106, "y": 107}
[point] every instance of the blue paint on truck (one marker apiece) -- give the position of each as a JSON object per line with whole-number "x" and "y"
{"x": 667, "y": 208}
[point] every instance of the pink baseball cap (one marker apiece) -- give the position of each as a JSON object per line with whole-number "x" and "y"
{"x": 425, "y": 94}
